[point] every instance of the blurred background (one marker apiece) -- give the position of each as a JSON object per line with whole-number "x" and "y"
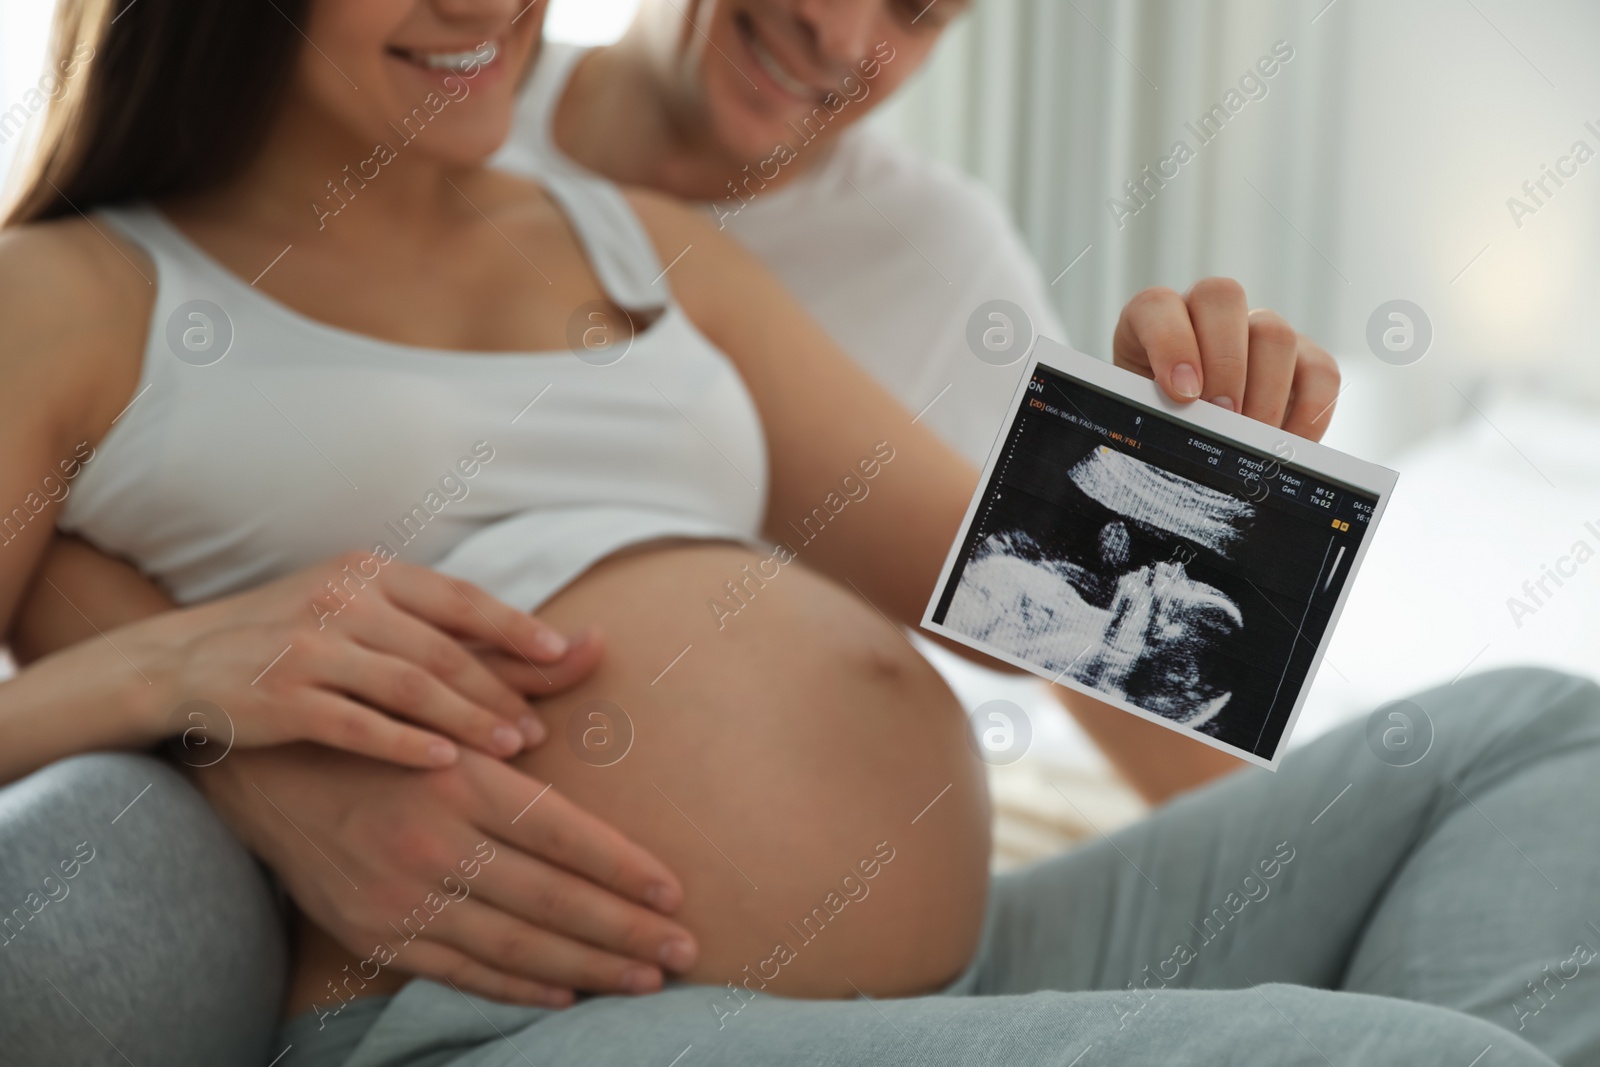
{"x": 1379, "y": 162}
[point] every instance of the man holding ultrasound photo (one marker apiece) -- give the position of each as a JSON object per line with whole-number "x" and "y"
{"x": 786, "y": 858}
{"x": 1154, "y": 557}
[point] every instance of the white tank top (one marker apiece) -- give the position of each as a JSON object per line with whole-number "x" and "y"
{"x": 514, "y": 470}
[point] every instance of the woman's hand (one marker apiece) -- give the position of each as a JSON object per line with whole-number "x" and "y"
{"x": 1208, "y": 345}
{"x": 566, "y": 903}
{"x": 354, "y": 655}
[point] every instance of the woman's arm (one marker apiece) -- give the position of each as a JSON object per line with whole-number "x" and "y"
{"x": 72, "y": 322}
{"x": 389, "y": 680}
{"x": 71, "y": 318}
{"x": 78, "y": 701}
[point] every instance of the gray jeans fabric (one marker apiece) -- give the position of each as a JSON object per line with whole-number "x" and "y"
{"x": 1345, "y": 910}
{"x": 134, "y": 928}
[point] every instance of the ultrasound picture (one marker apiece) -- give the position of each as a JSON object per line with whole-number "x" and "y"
{"x": 1120, "y": 613}
{"x": 1116, "y": 550}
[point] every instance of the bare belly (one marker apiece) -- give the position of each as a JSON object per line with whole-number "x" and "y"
{"x": 780, "y": 759}
{"x": 797, "y": 763}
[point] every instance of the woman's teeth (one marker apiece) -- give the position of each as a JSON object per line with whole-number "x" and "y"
{"x": 787, "y": 81}
{"x": 456, "y": 62}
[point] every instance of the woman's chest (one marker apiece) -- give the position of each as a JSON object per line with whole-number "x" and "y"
{"x": 500, "y": 285}
{"x": 268, "y": 460}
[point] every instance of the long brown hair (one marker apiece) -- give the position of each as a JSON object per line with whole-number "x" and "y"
{"x": 156, "y": 98}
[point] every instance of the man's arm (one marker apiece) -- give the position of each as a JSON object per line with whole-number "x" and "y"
{"x": 92, "y": 593}
{"x": 1158, "y": 762}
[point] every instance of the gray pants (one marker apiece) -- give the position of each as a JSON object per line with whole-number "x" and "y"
{"x": 1345, "y": 910}
{"x": 134, "y": 928}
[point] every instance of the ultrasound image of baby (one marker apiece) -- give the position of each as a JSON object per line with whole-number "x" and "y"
{"x": 1118, "y": 610}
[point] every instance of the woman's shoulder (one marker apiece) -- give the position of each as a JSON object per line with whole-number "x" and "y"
{"x": 76, "y": 300}
{"x": 76, "y": 251}
{"x": 71, "y": 279}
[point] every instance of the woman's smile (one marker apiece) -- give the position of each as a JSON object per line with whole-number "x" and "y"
{"x": 459, "y": 61}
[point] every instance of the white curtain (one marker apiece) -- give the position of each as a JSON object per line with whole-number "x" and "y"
{"x": 1055, "y": 104}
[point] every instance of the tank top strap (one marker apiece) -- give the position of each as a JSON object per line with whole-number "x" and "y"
{"x": 143, "y": 225}
{"x": 615, "y": 240}
{"x": 197, "y": 304}
{"x": 184, "y": 274}
{"x": 533, "y": 143}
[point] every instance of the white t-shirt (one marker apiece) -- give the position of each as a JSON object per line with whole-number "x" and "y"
{"x": 889, "y": 251}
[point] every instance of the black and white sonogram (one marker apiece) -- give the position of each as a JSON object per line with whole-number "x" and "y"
{"x": 1119, "y": 613}
{"x": 1169, "y": 570}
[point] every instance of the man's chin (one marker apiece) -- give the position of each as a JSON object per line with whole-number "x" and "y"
{"x": 748, "y": 134}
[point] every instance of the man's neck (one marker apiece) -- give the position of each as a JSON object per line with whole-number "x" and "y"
{"x": 615, "y": 118}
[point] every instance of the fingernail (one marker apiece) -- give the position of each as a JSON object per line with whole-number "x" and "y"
{"x": 1224, "y": 402}
{"x": 557, "y": 998}
{"x": 532, "y": 729}
{"x": 551, "y": 643}
{"x": 640, "y": 980}
{"x": 1185, "y": 381}
{"x": 677, "y": 955}
{"x": 659, "y": 897}
{"x": 505, "y": 740}
{"x": 442, "y": 753}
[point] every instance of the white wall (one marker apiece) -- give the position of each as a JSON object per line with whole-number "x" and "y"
{"x": 1451, "y": 107}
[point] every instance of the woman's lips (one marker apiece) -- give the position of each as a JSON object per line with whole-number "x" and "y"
{"x": 452, "y": 61}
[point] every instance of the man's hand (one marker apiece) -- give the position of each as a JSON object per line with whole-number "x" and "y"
{"x": 565, "y": 903}
{"x": 1208, "y": 345}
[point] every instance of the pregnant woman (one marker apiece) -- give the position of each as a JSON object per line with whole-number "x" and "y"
{"x": 345, "y": 339}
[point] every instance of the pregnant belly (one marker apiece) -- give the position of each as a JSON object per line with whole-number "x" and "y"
{"x": 794, "y": 760}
